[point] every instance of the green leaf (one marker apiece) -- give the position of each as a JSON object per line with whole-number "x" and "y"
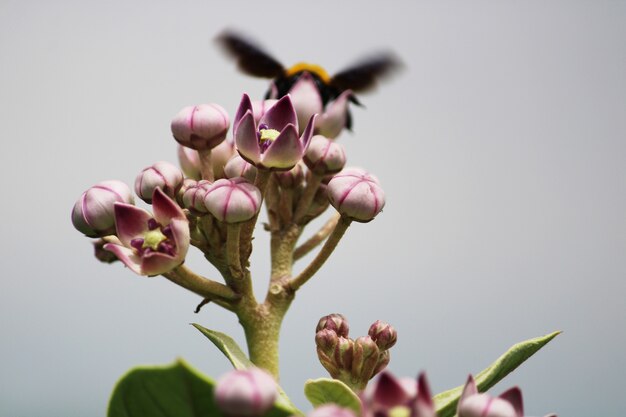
{"x": 445, "y": 402}
{"x": 175, "y": 390}
{"x": 326, "y": 390}
{"x": 228, "y": 346}
{"x": 240, "y": 360}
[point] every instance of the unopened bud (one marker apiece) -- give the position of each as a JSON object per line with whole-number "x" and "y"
{"x": 163, "y": 175}
{"x": 220, "y": 155}
{"x": 356, "y": 194}
{"x": 365, "y": 358}
{"x": 291, "y": 178}
{"x": 335, "y": 322}
{"x": 239, "y": 167}
{"x": 93, "y": 213}
{"x": 344, "y": 353}
{"x": 193, "y": 197}
{"x": 383, "y": 361}
{"x": 201, "y": 127}
{"x": 324, "y": 156}
{"x": 189, "y": 161}
{"x": 245, "y": 393}
{"x": 326, "y": 342}
{"x": 233, "y": 200}
{"x": 484, "y": 405}
{"x": 383, "y": 334}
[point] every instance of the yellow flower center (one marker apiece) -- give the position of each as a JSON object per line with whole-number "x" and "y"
{"x": 153, "y": 238}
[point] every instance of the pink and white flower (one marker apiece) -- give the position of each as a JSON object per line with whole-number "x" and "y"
{"x": 151, "y": 244}
{"x": 272, "y": 143}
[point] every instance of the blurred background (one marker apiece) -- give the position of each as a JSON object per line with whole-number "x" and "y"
{"x": 501, "y": 148}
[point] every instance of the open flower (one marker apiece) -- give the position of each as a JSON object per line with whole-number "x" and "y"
{"x": 389, "y": 396}
{"x": 307, "y": 100}
{"x": 273, "y": 143}
{"x": 151, "y": 245}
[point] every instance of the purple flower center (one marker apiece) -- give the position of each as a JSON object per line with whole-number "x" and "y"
{"x": 156, "y": 239}
{"x": 266, "y": 136}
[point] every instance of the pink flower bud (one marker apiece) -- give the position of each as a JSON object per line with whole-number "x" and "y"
{"x": 331, "y": 410}
{"x": 356, "y": 194}
{"x": 383, "y": 334}
{"x": 233, "y": 200}
{"x": 239, "y": 167}
{"x": 335, "y": 322}
{"x": 220, "y": 155}
{"x": 94, "y": 214}
{"x": 292, "y": 178}
{"x": 189, "y": 162}
{"x": 306, "y": 99}
{"x": 201, "y": 127}
{"x": 193, "y": 197}
{"x": 187, "y": 182}
{"x": 324, "y": 156}
{"x": 326, "y": 341}
{"x": 163, "y": 175}
{"x": 365, "y": 359}
{"x": 344, "y": 353}
{"x": 245, "y": 393}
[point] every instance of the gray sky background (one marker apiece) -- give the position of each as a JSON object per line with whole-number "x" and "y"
{"x": 501, "y": 149}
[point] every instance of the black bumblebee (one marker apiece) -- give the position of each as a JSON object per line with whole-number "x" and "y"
{"x": 253, "y": 60}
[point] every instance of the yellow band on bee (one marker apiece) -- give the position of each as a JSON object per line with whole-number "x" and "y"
{"x": 312, "y": 68}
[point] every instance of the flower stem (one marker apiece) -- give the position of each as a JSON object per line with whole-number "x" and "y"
{"x": 200, "y": 285}
{"x": 317, "y": 238}
{"x": 304, "y": 203}
{"x": 232, "y": 250}
{"x": 262, "y": 178}
{"x": 322, "y": 256}
{"x": 206, "y": 168}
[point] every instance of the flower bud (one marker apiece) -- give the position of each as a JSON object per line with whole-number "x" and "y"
{"x": 383, "y": 361}
{"x": 365, "y": 358}
{"x": 324, "y": 156}
{"x": 201, "y": 127}
{"x": 356, "y": 194}
{"x": 292, "y": 178}
{"x": 326, "y": 341}
{"x": 344, "y": 353}
{"x": 93, "y": 213}
{"x": 163, "y": 175}
{"x": 306, "y": 99}
{"x": 193, "y": 197}
{"x": 220, "y": 155}
{"x": 383, "y": 334}
{"x": 245, "y": 393}
{"x": 189, "y": 162}
{"x": 335, "y": 322}
{"x": 187, "y": 182}
{"x": 233, "y": 200}
{"x": 331, "y": 410}
{"x": 239, "y": 167}
{"x": 102, "y": 254}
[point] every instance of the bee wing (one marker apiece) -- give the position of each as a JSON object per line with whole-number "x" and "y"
{"x": 364, "y": 74}
{"x": 251, "y": 59}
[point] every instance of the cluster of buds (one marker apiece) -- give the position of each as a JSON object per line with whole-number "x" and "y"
{"x": 274, "y": 157}
{"x": 353, "y": 361}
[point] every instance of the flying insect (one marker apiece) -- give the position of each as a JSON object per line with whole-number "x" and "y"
{"x": 360, "y": 77}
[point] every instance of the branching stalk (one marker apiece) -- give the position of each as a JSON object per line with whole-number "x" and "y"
{"x": 317, "y": 238}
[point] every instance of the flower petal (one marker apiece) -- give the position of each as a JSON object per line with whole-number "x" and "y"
{"x": 308, "y": 132}
{"x": 130, "y": 222}
{"x": 306, "y": 99}
{"x": 156, "y": 263}
{"x": 244, "y": 105}
{"x": 127, "y": 256}
{"x": 165, "y": 209}
{"x": 335, "y": 118}
{"x": 280, "y": 115}
{"x": 388, "y": 391}
{"x": 468, "y": 390}
{"x": 246, "y": 139}
{"x": 514, "y": 396}
{"x": 180, "y": 235}
{"x": 285, "y": 152}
